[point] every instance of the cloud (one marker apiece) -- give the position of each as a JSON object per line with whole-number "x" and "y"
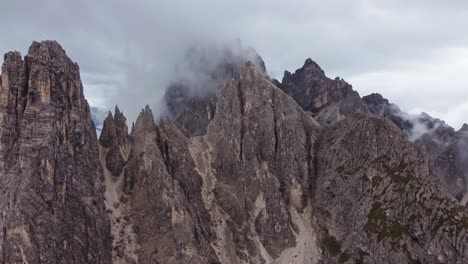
{"x": 127, "y": 50}
{"x": 436, "y": 87}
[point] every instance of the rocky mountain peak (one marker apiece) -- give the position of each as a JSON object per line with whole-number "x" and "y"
{"x": 464, "y": 128}
{"x": 50, "y": 181}
{"x": 312, "y": 66}
{"x": 328, "y": 100}
{"x": 145, "y": 120}
{"x": 375, "y": 99}
{"x": 48, "y": 50}
{"x": 114, "y": 130}
{"x": 204, "y": 71}
{"x": 12, "y": 57}
{"x": 310, "y": 69}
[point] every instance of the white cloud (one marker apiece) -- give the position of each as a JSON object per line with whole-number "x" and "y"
{"x": 413, "y": 52}
{"x": 436, "y": 86}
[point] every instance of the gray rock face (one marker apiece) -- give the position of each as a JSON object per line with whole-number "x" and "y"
{"x": 243, "y": 175}
{"x": 377, "y": 202}
{"x": 51, "y": 202}
{"x": 447, "y": 148}
{"x": 202, "y": 72}
{"x": 263, "y": 182}
{"x": 451, "y": 165}
{"x": 328, "y": 100}
{"x": 380, "y": 106}
{"x": 237, "y": 193}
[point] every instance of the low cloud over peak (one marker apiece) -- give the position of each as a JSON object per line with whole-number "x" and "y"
{"x": 414, "y": 53}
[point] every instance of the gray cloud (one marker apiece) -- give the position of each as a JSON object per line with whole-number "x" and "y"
{"x": 413, "y": 52}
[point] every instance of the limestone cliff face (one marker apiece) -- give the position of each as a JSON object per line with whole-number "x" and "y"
{"x": 328, "y": 100}
{"x": 255, "y": 171}
{"x": 51, "y": 201}
{"x": 263, "y": 182}
{"x": 377, "y": 202}
{"x": 238, "y": 193}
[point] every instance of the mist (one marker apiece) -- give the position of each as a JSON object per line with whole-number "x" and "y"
{"x": 422, "y": 125}
{"x": 127, "y": 51}
{"x": 164, "y": 47}
{"x": 447, "y": 148}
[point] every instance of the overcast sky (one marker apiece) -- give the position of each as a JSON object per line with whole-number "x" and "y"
{"x": 414, "y": 52}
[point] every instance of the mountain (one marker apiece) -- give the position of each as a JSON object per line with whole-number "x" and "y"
{"x": 51, "y": 182}
{"x": 252, "y": 171}
{"x": 328, "y": 100}
{"x": 331, "y": 101}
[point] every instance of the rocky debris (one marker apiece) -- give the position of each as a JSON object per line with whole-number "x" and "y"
{"x": 51, "y": 202}
{"x": 114, "y": 150}
{"x": 328, "y": 100}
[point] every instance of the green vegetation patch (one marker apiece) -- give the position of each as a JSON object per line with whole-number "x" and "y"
{"x": 379, "y": 224}
{"x": 340, "y": 169}
{"x": 401, "y": 173}
{"x": 332, "y": 244}
{"x": 376, "y": 180}
{"x": 454, "y": 217}
{"x": 361, "y": 256}
{"x": 344, "y": 257}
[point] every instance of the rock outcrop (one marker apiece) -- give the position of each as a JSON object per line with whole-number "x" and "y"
{"x": 328, "y": 100}
{"x": 51, "y": 187}
{"x": 447, "y": 148}
{"x": 376, "y": 201}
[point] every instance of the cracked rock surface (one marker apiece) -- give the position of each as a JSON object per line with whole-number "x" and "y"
{"x": 51, "y": 185}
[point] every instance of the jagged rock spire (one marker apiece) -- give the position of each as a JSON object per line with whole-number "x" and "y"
{"x": 328, "y": 100}
{"x": 114, "y": 130}
{"x": 145, "y": 120}
{"x": 464, "y": 127}
{"x": 50, "y": 182}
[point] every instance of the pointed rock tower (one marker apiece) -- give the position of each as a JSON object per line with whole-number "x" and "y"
{"x": 51, "y": 192}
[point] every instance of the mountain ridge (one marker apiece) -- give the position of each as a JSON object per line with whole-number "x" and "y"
{"x": 258, "y": 171}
